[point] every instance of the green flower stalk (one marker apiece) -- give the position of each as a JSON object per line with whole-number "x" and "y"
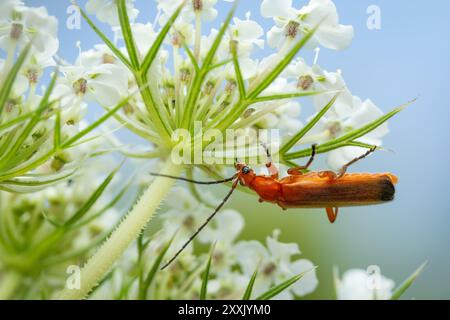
{"x": 127, "y": 231}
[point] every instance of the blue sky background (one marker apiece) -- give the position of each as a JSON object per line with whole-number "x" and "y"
{"x": 407, "y": 58}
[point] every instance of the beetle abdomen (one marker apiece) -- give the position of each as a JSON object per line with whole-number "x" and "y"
{"x": 315, "y": 191}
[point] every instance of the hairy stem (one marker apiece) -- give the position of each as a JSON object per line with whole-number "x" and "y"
{"x": 128, "y": 230}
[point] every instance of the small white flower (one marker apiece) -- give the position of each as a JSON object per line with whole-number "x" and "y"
{"x": 206, "y": 42}
{"x": 331, "y": 126}
{"x": 100, "y": 54}
{"x": 225, "y": 227}
{"x": 144, "y": 36}
{"x": 332, "y": 83}
{"x": 248, "y": 66}
{"x": 358, "y": 284}
{"x": 276, "y": 265}
{"x": 186, "y": 214}
{"x": 166, "y": 8}
{"x": 291, "y": 23}
{"x": 228, "y": 286}
{"x": 285, "y": 115}
{"x": 182, "y": 33}
{"x": 22, "y": 25}
{"x": 202, "y": 8}
{"x": 106, "y": 10}
{"x": 248, "y": 34}
{"x": 107, "y": 84}
{"x": 313, "y": 78}
{"x": 35, "y": 65}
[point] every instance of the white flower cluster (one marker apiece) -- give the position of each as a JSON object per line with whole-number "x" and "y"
{"x": 221, "y": 88}
{"x": 32, "y": 242}
{"x": 162, "y": 98}
{"x": 22, "y": 27}
{"x": 233, "y": 262}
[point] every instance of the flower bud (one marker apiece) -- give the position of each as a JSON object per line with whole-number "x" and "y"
{"x": 230, "y": 86}
{"x": 128, "y": 109}
{"x": 209, "y": 87}
{"x": 59, "y": 161}
{"x": 248, "y": 113}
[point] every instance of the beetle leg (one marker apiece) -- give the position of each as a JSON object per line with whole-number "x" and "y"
{"x": 331, "y": 175}
{"x": 296, "y": 171}
{"x": 332, "y": 214}
{"x": 273, "y": 170}
{"x": 344, "y": 168}
{"x": 281, "y": 206}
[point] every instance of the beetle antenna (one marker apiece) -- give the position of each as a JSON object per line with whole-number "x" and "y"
{"x": 233, "y": 187}
{"x": 192, "y": 181}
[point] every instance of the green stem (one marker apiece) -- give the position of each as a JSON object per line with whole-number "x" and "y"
{"x": 127, "y": 231}
{"x": 9, "y": 59}
{"x": 9, "y": 284}
{"x": 198, "y": 35}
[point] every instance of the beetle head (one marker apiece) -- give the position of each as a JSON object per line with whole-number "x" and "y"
{"x": 244, "y": 173}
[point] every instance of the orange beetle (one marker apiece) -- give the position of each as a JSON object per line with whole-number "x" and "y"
{"x": 323, "y": 189}
{"x": 318, "y": 189}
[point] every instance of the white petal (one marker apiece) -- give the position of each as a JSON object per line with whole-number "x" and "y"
{"x": 275, "y": 37}
{"x": 366, "y": 113}
{"x": 103, "y": 93}
{"x": 275, "y": 8}
{"x": 226, "y": 227}
{"x": 248, "y": 29}
{"x": 338, "y": 157}
{"x": 337, "y": 37}
{"x": 209, "y": 14}
{"x": 318, "y": 10}
{"x": 308, "y": 283}
{"x": 357, "y": 284}
{"x": 248, "y": 254}
{"x": 280, "y": 250}
{"x": 249, "y": 67}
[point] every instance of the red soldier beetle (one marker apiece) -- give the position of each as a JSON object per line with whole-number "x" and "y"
{"x": 315, "y": 189}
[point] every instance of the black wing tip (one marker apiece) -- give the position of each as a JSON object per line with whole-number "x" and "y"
{"x": 387, "y": 190}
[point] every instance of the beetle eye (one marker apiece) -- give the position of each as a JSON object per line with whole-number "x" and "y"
{"x": 245, "y": 170}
